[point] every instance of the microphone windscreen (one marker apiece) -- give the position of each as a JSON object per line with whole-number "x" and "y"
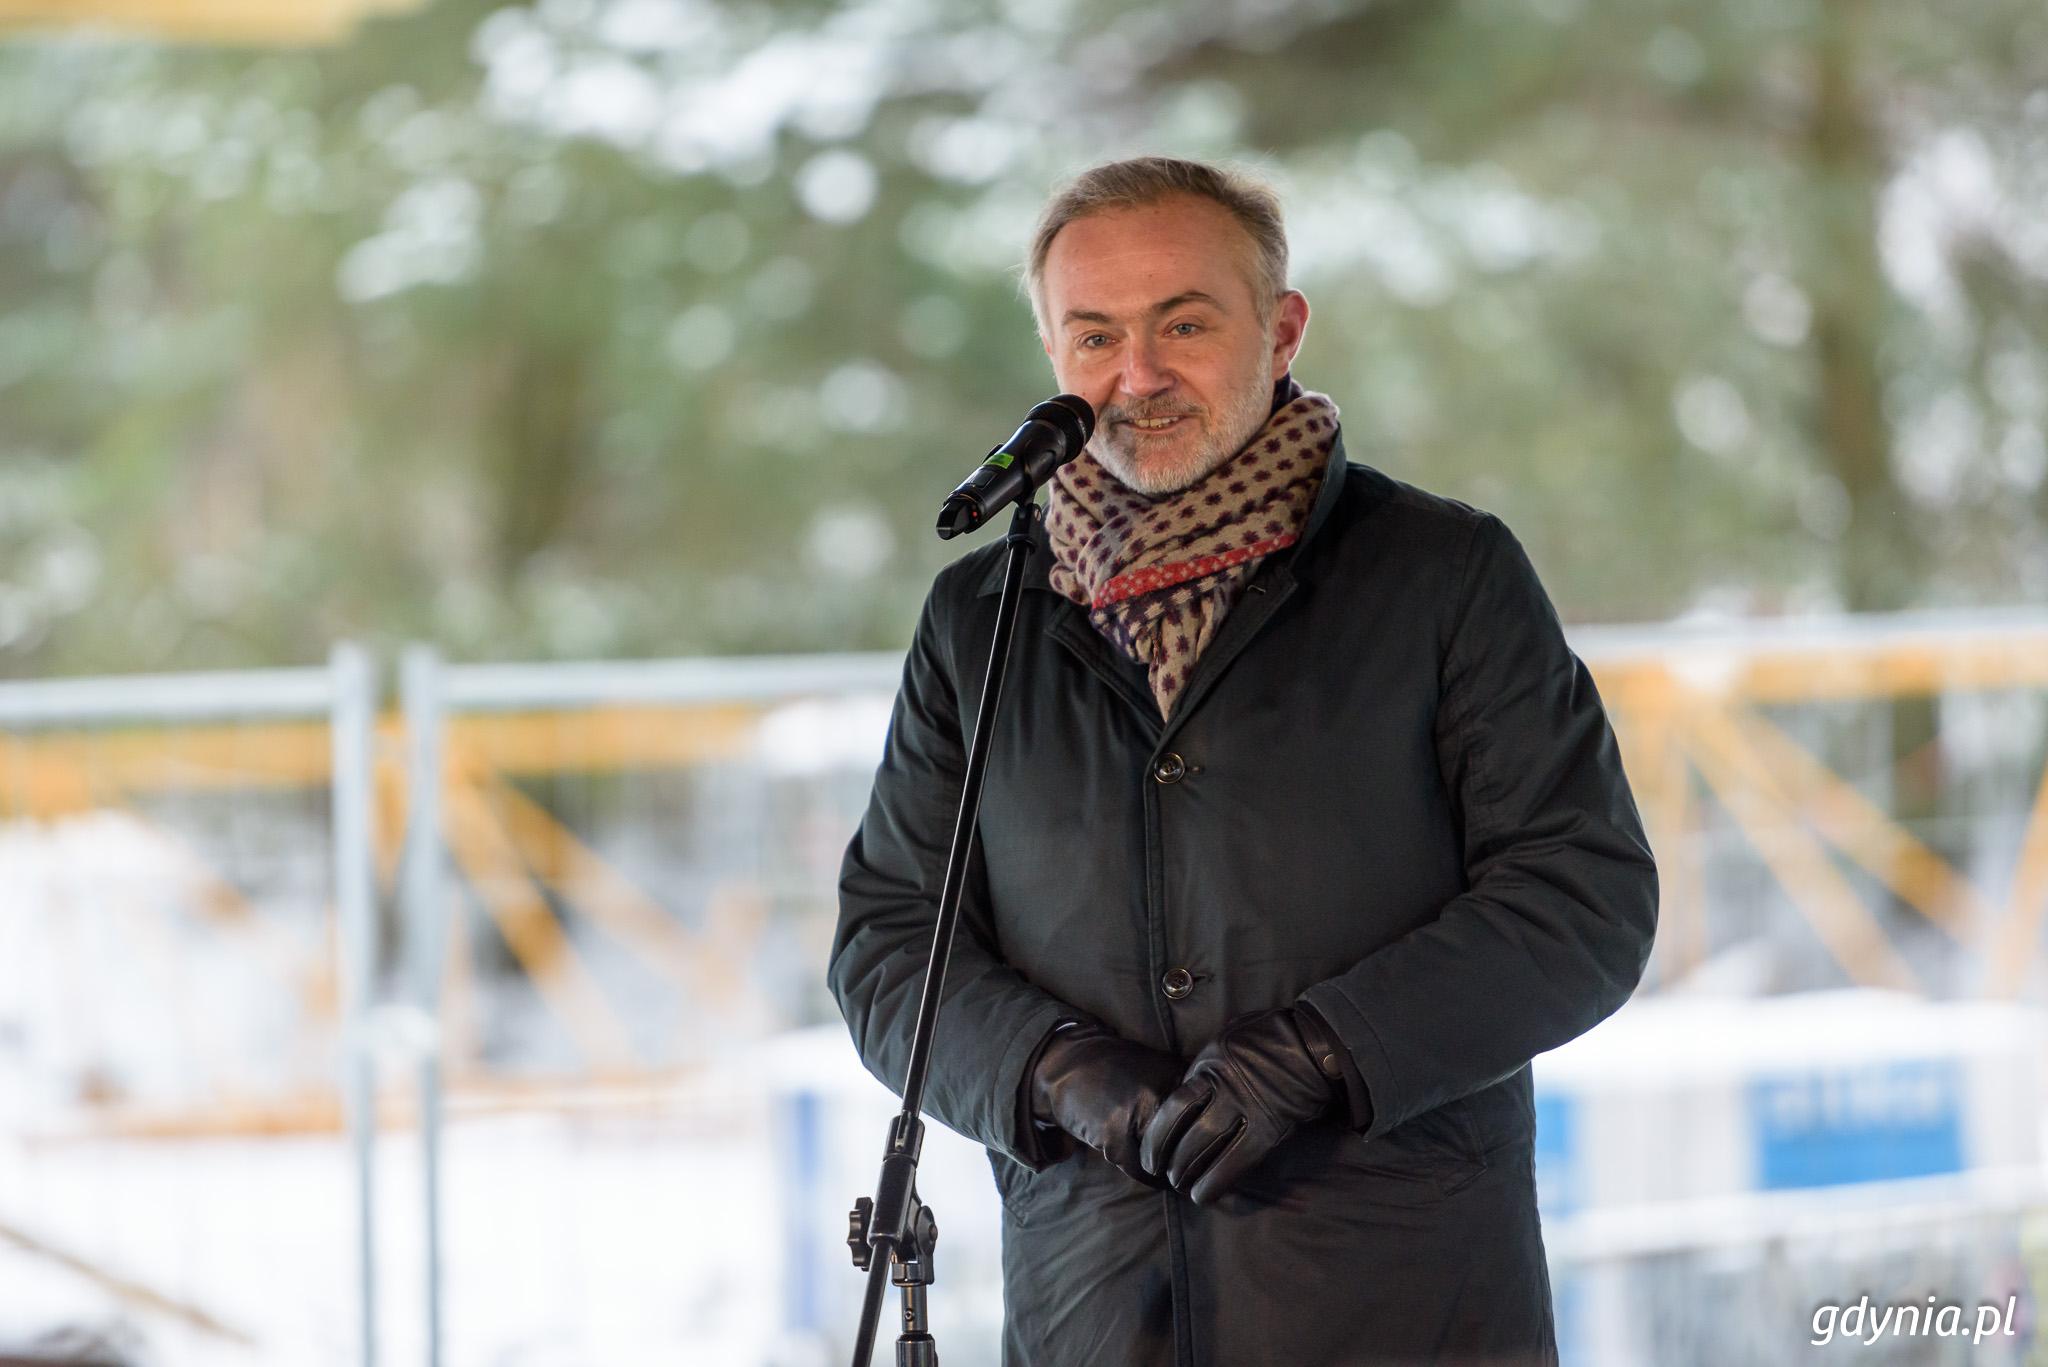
{"x": 1073, "y": 415}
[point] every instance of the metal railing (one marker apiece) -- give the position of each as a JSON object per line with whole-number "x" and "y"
{"x": 91, "y": 744}
{"x": 445, "y": 805}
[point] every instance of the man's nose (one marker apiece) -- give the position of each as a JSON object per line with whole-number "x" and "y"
{"x": 1143, "y": 374}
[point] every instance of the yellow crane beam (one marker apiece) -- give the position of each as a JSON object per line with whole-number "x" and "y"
{"x": 255, "y": 22}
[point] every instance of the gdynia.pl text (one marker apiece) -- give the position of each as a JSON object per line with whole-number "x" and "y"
{"x": 1869, "y": 1323}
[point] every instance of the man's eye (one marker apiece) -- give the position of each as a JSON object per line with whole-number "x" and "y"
{"x": 1185, "y": 329}
{"x": 1090, "y": 341}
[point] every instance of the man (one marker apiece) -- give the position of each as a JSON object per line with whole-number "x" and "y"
{"x": 1304, "y": 831}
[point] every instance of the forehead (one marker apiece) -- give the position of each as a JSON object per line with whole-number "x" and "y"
{"x": 1120, "y": 261}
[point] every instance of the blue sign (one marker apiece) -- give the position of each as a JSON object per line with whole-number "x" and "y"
{"x": 1557, "y": 1167}
{"x": 807, "y": 1238}
{"x": 1863, "y": 1124}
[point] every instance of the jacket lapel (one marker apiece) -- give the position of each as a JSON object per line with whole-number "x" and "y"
{"x": 1071, "y": 628}
{"x": 1271, "y": 585}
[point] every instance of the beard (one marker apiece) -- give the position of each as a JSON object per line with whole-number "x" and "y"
{"x": 1158, "y": 465}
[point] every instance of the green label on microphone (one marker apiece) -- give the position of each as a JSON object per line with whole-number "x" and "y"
{"x": 1000, "y": 459}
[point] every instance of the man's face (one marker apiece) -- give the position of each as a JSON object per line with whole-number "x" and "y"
{"x": 1150, "y": 316}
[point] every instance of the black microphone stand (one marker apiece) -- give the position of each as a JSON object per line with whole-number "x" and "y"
{"x": 893, "y": 1235}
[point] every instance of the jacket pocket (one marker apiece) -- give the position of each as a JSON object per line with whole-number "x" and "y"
{"x": 1014, "y": 1182}
{"x": 1426, "y": 1159}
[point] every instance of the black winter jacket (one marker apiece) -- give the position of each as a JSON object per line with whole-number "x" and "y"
{"x": 1390, "y": 791}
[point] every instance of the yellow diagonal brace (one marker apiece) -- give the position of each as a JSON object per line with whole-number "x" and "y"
{"x": 123, "y": 1289}
{"x": 1866, "y": 832}
{"x": 1746, "y": 786}
{"x": 611, "y": 901}
{"x": 1681, "y": 943}
{"x": 2016, "y": 947}
{"x": 502, "y": 881}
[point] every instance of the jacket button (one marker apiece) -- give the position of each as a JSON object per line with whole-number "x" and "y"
{"x": 1178, "y": 983}
{"x": 1170, "y": 769}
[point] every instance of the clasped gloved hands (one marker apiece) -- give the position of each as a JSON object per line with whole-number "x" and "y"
{"x": 1268, "y": 1073}
{"x": 1103, "y": 1089}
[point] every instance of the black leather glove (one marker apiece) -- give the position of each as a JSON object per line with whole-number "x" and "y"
{"x": 1248, "y": 1089}
{"x": 1102, "y": 1089}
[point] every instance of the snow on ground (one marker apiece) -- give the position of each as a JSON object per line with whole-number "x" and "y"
{"x": 701, "y": 1224}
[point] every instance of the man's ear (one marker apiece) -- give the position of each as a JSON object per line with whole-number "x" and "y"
{"x": 1290, "y": 325}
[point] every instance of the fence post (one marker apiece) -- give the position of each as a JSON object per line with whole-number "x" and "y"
{"x": 351, "y": 721}
{"x": 426, "y": 934}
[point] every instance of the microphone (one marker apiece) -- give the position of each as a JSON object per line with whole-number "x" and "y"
{"x": 1053, "y": 434}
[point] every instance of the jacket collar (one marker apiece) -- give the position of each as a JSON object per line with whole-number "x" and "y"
{"x": 1038, "y": 566}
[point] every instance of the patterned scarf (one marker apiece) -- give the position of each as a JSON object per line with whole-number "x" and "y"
{"x": 1157, "y": 575}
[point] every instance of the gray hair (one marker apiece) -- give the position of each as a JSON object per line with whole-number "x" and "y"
{"x": 1147, "y": 180}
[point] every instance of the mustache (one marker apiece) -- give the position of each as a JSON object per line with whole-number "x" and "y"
{"x": 1121, "y": 414}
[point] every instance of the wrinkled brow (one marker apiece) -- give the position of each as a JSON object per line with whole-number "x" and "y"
{"x": 1163, "y": 306}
